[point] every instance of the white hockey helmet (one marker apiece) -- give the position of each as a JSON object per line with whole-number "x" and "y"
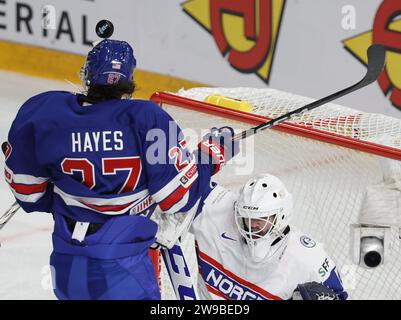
{"x": 261, "y": 214}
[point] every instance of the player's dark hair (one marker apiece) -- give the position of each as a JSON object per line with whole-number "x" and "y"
{"x": 98, "y": 93}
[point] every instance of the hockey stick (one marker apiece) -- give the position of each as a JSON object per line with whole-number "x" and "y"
{"x": 376, "y": 60}
{"x": 9, "y": 214}
{"x": 179, "y": 273}
{"x": 174, "y": 259}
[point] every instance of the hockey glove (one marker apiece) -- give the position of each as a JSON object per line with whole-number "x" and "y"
{"x": 172, "y": 226}
{"x": 314, "y": 291}
{"x": 218, "y": 147}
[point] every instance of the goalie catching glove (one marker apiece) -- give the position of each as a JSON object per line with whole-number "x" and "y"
{"x": 217, "y": 147}
{"x": 314, "y": 291}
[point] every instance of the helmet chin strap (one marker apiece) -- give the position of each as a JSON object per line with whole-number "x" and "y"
{"x": 278, "y": 239}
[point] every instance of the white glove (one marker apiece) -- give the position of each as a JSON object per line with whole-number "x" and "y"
{"x": 172, "y": 226}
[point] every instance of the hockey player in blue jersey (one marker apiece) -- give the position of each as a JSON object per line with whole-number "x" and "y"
{"x": 100, "y": 163}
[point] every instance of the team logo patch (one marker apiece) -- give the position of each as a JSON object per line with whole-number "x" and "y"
{"x": 116, "y": 65}
{"x": 113, "y": 78}
{"x": 184, "y": 180}
{"x": 307, "y": 242}
{"x": 143, "y": 205}
{"x": 7, "y": 149}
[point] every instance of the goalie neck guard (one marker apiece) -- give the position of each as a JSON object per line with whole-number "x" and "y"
{"x": 261, "y": 214}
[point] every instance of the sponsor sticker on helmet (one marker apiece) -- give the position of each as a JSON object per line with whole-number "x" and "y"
{"x": 307, "y": 242}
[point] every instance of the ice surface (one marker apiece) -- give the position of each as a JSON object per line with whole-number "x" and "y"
{"x": 26, "y": 239}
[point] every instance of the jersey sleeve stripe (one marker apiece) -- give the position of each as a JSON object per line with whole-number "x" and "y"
{"x": 26, "y": 188}
{"x": 173, "y": 198}
{"x": 179, "y": 205}
{"x": 103, "y": 201}
{"x": 23, "y": 178}
{"x": 176, "y": 207}
{"x": 109, "y": 206}
{"x": 184, "y": 178}
{"x": 31, "y": 198}
{"x": 216, "y": 292}
{"x": 180, "y": 197}
{"x": 29, "y": 189}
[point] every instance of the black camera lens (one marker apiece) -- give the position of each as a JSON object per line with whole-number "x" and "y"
{"x": 372, "y": 259}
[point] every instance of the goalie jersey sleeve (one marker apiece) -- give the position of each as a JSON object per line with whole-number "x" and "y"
{"x": 324, "y": 269}
{"x": 94, "y": 162}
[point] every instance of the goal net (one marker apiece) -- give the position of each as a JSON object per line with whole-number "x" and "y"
{"x": 326, "y": 158}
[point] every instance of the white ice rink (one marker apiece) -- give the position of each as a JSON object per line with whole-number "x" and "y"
{"x": 26, "y": 239}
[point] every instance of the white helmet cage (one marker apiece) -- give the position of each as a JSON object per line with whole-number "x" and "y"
{"x": 262, "y": 213}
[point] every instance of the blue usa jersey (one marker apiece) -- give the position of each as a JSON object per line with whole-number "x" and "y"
{"x": 105, "y": 164}
{"x": 93, "y": 162}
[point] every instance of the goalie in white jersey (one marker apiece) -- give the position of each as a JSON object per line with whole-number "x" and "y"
{"x": 247, "y": 250}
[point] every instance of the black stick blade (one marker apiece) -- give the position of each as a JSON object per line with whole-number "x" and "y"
{"x": 376, "y": 62}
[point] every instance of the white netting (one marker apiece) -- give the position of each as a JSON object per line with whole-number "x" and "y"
{"x": 333, "y": 118}
{"x": 328, "y": 182}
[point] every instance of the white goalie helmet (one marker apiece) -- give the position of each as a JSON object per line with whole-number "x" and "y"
{"x": 261, "y": 214}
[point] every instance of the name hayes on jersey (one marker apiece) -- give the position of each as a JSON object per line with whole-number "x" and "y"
{"x": 94, "y": 141}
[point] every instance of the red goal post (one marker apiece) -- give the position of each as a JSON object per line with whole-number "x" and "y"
{"x": 162, "y": 98}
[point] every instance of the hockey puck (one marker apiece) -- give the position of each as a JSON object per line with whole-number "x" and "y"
{"x": 104, "y": 29}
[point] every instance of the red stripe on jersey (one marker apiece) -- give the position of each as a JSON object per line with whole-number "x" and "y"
{"x": 173, "y": 198}
{"x": 29, "y": 188}
{"x": 237, "y": 278}
{"x": 107, "y": 207}
{"x": 216, "y": 292}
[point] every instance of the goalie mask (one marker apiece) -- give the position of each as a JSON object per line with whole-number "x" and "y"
{"x": 261, "y": 214}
